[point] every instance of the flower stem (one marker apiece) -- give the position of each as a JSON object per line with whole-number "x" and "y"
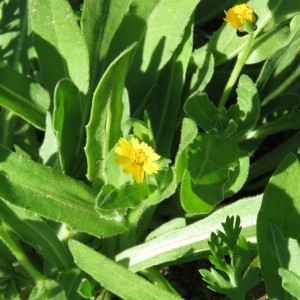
{"x": 237, "y": 70}
{"x": 19, "y": 254}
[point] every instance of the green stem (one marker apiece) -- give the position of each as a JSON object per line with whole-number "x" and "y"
{"x": 19, "y": 254}
{"x": 241, "y": 60}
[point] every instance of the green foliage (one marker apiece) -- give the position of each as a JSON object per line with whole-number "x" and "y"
{"x": 123, "y": 282}
{"x": 234, "y": 278}
{"x": 277, "y": 234}
{"x": 221, "y": 108}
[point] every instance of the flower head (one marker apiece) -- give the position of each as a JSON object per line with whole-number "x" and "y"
{"x": 239, "y": 15}
{"x": 137, "y": 157}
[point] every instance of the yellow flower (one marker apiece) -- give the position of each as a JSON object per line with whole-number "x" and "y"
{"x": 237, "y": 15}
{"x": 137, "y": 157}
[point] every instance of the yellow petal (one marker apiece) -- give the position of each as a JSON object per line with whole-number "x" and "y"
{"x": 129, "y": 168}
{"x": 151, "y": 167}
{"x": 124, "y": 144}
{"x": 123, "y": 151}
{"x": 138, "y": 173}
{"x": 135, "y": 143}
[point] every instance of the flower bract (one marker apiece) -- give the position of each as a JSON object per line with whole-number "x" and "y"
{"x": 138, "y": 158}
{"x": 239, "y": 14}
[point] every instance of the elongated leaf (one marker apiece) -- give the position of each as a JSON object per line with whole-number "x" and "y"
{"x": 52, "y": 195}
{"x": 281, "y": 206}
{"x": 67, "y": 122}
{"x": 204, "y": 62}
{"x": 34, "y": 231}
{"x": 164, "y": 33}
{"x": 60, "y": 47}
{"x": 190, "y": 241}
{"x": 100, "y": 21}
{"x": 21, "y": 95}
{"x": 115, "y": 277}
{"x": 15, "y": 37}
{"x": 268, "y": 43}
{"x": 285, "y": 70}
{"x": 105, "y": 125}
{"x": 169, "y": 91}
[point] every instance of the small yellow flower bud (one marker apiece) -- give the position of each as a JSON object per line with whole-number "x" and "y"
{"x": 241, "y": 17}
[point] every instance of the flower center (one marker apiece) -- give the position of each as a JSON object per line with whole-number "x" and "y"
{"x": 138, "y": 157}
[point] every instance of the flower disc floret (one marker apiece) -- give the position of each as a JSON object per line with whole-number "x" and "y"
{"x": 239, "y": 14}
{"x": 138, "y": 158}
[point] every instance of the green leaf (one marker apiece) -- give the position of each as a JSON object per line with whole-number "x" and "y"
{"x": 106, "y": 121}
{"x": 290, "y": 282}
{"x": 47, "y": 289}
{"x": 203, "y": 183}
{"x": 15, "y": 36}
{"x": 204, "y": 62}
{"x": 279, "y": 72}
{"x": 280, "y": 206}
{"x": 34, "y": 231}
{"x": 199, "y": 108}
{"x": 48, "y": 152}
{"x": 166, "y": 186}
{"x": 166, "y": 227}
{"x": 115, "y": 201}
{"x": 269, "y": 161}
{"x": 164, "y": 112}
{"x": 50, "y": 194}
{"x": 189, "y": 131}
{"x": 190, "y": 243}
{"x": 286, "y": 250}
{"x": 22, "y": 96}
{"x": 123, "y": 283}
{"x": 164, "y": 33}
{"x": 286, "y": 10}
{"x": 246, "y": 112}
{"x": 268, "y": 43}
{"x": 67, "y": 109}
{"x": 60, "y": 47}
{"x": 100, "y": 22}
{"x": 238, "y": 176}
{"x": 168, "y": 21}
